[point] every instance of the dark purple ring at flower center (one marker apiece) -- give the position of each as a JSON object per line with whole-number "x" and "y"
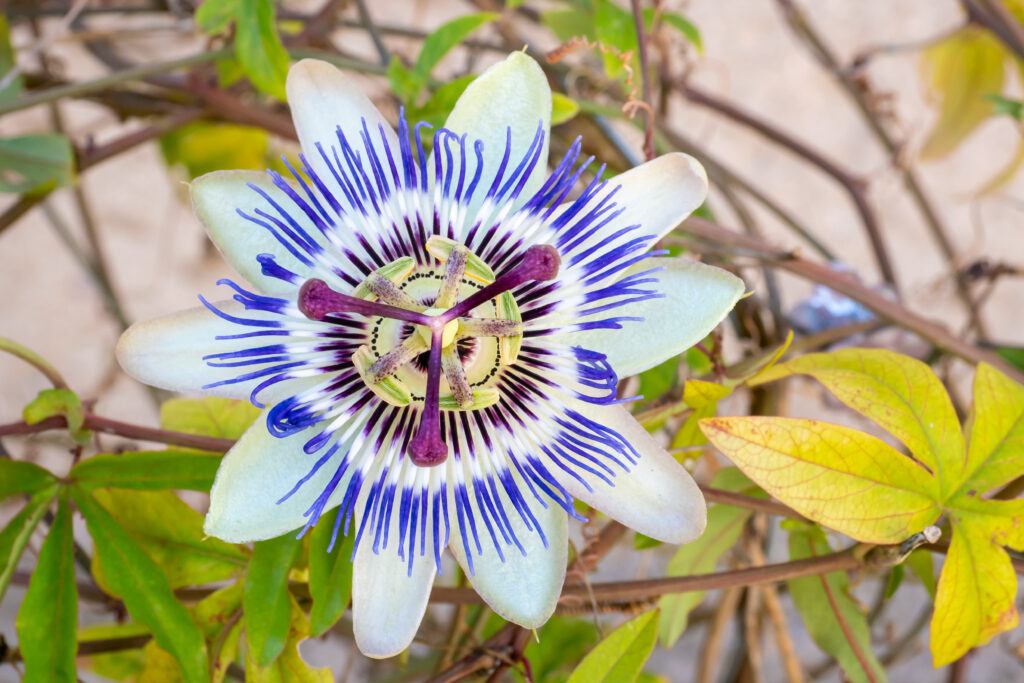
{"x": 427, "y": 448}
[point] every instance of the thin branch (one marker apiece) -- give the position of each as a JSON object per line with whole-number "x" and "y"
{"x": 854, "y": 187}
{"x": 123, "y": 429}
{"x": 802, "y": 28}
{"x": 645, "y": 80}
{"x": 880, "y": 305}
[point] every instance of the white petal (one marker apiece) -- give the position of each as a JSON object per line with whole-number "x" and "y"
{"x": 167, "y": 352}
{"x": 513, "y": 93}
{"x": 216, "y": 199}
{"x": 696, "y": 298}
{"x": 387, "y": 602}
{"x": 657, "y": 497}
{"x": 322, "y": 98}
{"x": 657, "y": 195}
{"x": 522, "y": 589}
{"x": 257, "y": 472}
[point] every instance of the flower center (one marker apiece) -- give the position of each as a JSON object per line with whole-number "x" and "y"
{"x": 437, "y": 328}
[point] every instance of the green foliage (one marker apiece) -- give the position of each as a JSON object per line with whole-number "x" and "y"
{"x": 258, "y": 46}
{"x": 147, "y": 470}
{"x": 203, "y": 147}
{"x": 725, "y": 524}
{"x": 330, "y": 573}
{"x": 408, "y": 83}
{"x": 15, "y": 535}
{"x": 51, "y": 402}
{"x": 48, "y": 619}
{"x": 22, "y": 477}
{"x": 563, "y": 108}
{"x": 266, "y": 601}
{"x": 223, "y": 418}
{"x": 31, "y": 162}
{"x": 7, "y": 62}
{"x": 875, "y": 494}
{"x": 832, "y": 617}
{"x": 171, "y": 534}
{"x": 1006, "y": 106}
{"x": 621, "y": 656}
{"x": 144, "y": 587}
{"x": 289, "y": 667}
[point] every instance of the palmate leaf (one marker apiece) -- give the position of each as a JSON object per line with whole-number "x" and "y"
{"x": 18, "y": 476}
{"x": 48, "y": 619}
{"x": 147, "y": 470}
{"x": 792, "y": 459}
{"x": 15, "y": 535}
{"x": 145, "y": 590}
{"x": 330, "y": 574}
{"x": 833, "y": 618}
{"x": 621, "y": 656}
{"x": 171, "y": 534}
{"x": 224, "y": 418}
{"x": 266, "y": 600}
{"x": 289, "y": 667}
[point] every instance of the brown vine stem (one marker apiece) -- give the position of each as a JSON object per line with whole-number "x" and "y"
{"x": 645, "y": 80}
{"x": 853, "y": 186}
{"x": 881, "y": 306}
{"x": 124, "y": 429}
{"x": 803, "y": 29}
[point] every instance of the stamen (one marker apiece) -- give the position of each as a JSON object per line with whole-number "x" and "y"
{"x": 462, "y": 392}
{"x": 317, "y": 300}
{"x": 391, "y": 361}
{"x": 488, "y": 327}
{"x": 455, "y": 268}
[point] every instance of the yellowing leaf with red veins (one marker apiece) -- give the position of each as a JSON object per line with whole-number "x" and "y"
{"x": 996, "y": 429}
{"x": 901, "y": 394}
{"x": 961, "y": 70}
{"x": 842, "y": 478}
{"x": 975, "y": 599}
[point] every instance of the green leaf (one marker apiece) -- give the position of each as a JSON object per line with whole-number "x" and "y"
{"x": 621, "y": 656}
{"x": 7, "y": 62}
{"x": 568, "y": 23}
{"x": 564, "y": 641}
{"x": 15, "y": 535}
{"x": 171, "y": 534}
{"x": 227, "y": 654}
{"x": 436, "y": 109}
{"x": 403, "y": 81}
{"x": 145, "y": 590}
{"x": 996, "y": 429}
{"x": 330, "y": 574}
{"x": 901, "y": 394}
{"x": 147, "y": 470}
{"x": 47, "y": 622}
{"x": 1005, "y": 106}
{"x": 203, "y": 147}
{"x": 224, "y": 418}
{"x": 289, "y": 667}
{"x": 725, "y": 524}
{"x": 29, "y": 162}
{"x": 125, "y": 665}
{"x": 444, "y": 38}
{"x": 684, "y": 26}
{"x": 978, "y": 585}
{"x": 659, "y": 379}
{"x": 961, "y": 70}
{"x": 832, "y": 617}
{"x": 563, "y": 108}
{"x": 1014, "y": 355}
{"x": 259, "y": 48}
{"x": 64, "y": 402}
{"x": 18, "y": 476}
{"x": 214, "y": 16}
{"x": 158, "y": 666}
{"x": 216, "y": 609}
{"x": 266, "y": 601}
{"x": 615, "y": 28}
{"x": 847, "y": 480}
{"x": 922, "y": 564}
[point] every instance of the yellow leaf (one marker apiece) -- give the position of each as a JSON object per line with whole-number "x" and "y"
{"x": 289, "y": 666}
{"x": 996, "y": 429}
{"x": 1005, "y": 175}
{"x": 961, "y": 70}
{"x": 840, "y": 477}
{"x": 901, "y": 394}
{"x": 698, "y": 393}
{"x": 975, "y": 599}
